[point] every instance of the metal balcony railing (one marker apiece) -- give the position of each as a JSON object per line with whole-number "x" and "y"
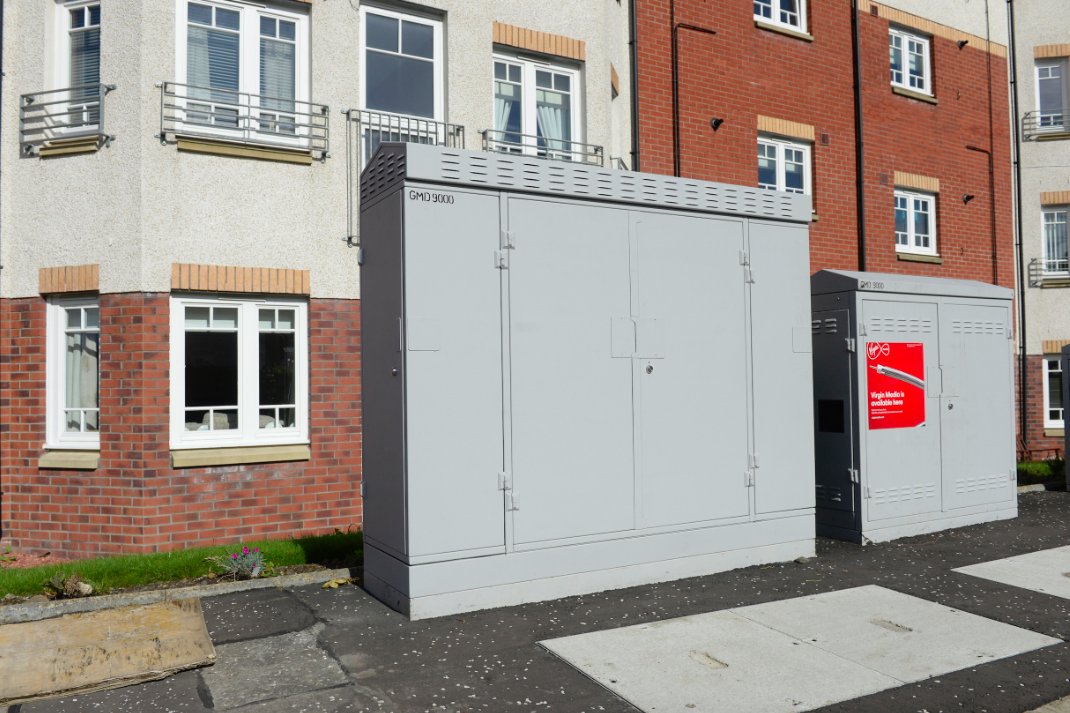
{"x": 367, "y": 129}
{"x": 1038, "y": 125}
{"x": 240, "y": 117}
{"x": 542, "y": 147}
{"x": 373, "y": 128}
{"x": 1045, "y": 272}
{"x": 55, "y": 116}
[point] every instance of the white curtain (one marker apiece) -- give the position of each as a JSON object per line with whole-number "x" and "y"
{"x": 552, "y": 125}
{"x": 83, "y": 372}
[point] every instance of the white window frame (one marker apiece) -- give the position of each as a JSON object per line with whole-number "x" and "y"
{"x": 1048, "y": 421}
{"x": 61, "y": 60}
{"x": 529, "y": 114}
{"x": 774, "y": 19}
{"x": 910, "y": 247}
{"x": 56, "y": 435}
{"x": 249, "y": 64}
{"x": 437, "y": 60}
{"x": 780, "y": 145}
{"x": 907, "y": 37}
{"x": 1047, "y": 259}
{"x": 248, "y": 432}
{"x": 1062, "y": 122}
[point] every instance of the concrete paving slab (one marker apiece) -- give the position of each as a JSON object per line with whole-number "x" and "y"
{"x": 1046, "y": 571}
{"x": 901, "y": 636}
{"x": 181, "y": 693}
{"x": 254, "y": 615}
{"x": 716, "y": 662}
{"x": 270, "y": 668}
{"x": 1060, "y": 706}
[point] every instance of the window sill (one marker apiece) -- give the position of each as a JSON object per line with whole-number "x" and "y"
{"x": 913, "y": 257}
{"x": 762, "y": 25}
{"x": 1055, "y": 136}
{"x": 813, "y": 217}
{"x": 927, "y": 98}
{"x": 204, "y": 457}
{"x": 1054, "y": 432}
{"x": 1055, "y": 281}
{"x": 225, "y": 148}
{"x": 69, "y": 460}
{"x": 69, "y": 146}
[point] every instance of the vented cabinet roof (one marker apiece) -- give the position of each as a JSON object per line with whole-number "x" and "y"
{"x": 397, "y": 162}
{"x": 825, "y": 282}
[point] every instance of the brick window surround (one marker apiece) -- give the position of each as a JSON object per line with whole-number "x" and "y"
{"x": 74, "y": 278}
{"x": 542, "y": 42}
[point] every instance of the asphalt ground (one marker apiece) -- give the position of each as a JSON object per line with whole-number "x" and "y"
{"x": 310, "y": 649}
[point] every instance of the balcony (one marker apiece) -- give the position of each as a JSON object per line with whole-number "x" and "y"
{"x": 69, "y": 120}
{"x": 1046, "y": 125}
{"x": 371, "y": 128}
{"x": 1049, "y": 273}
{"x": 542, "y": 147}
{"x": 253, "y": 120}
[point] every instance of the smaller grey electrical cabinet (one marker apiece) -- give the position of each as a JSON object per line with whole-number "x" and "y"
{"x": 913, "y": 404}
{"x": 576, "y": 378}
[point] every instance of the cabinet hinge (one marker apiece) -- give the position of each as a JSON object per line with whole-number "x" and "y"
{"x": 748, "y": 275}
{"x": 744, "y": 258}
{"x": 1012, "y": 474}
{"x": 504, "y": 481}
{"x": 752, "y": 461}
{"x": 852, "y": 473}
{"x": 363, "y": 489}
{"x": 512, "y": 501}
{"x": 850, "y": 344}
{"x": 508, "y": 240}
{"x": 501, "y": 259}
{"x": 865, "y": 492}
{"x": 748, "y": 479}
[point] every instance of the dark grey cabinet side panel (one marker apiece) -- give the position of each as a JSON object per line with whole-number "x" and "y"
{"x": 573, "y": 465}
{"x": 383, "y": 460}
{"x": 783, "y": 367}
{"x": 833, "y": 411}
{"x": 453, "y": 343}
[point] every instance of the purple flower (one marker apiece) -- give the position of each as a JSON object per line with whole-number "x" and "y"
{"x": 256, "y": 549}
{"x": 234, "y": 556}
{"x": 245, "y": 550}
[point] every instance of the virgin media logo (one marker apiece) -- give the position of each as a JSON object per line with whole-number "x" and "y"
{"x": 876, "y": 349}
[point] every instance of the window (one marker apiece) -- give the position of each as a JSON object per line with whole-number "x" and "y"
{"x": 73, "y": 366}
{"x": 402, "y": 64}
{"x": 245, "y": 67}
{"x": 914, "y": 225}
{"x": 77, "y": 65}
{"x": 1051, "y": 93}
{"x": 910, "y": 61}
{"x": 1055, "y": 252}
{"x": 783, "y": 166}
{"x": 239, "y": 372}
{"x": 1053, "y": 392}
{"x": 537, "y": 108}
{"x": 781, "y": 12}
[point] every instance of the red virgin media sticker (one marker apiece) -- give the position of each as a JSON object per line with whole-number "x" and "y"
{"x": 896, "y": 378}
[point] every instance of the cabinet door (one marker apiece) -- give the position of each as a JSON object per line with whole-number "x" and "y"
{"x": 691, "y": 377}
{"x": 571, "y": 408}
{"x": 977, "y": 407}
{"x": 833, "y": 411}
{"x": 902, "y": 461}
{"x": 453, "y": 347}
{"x": 783, "y": 368}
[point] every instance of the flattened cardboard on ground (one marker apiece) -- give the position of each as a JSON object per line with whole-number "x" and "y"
{"x": 95, "y": 651}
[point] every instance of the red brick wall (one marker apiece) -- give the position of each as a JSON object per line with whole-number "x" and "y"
{"x": 135, "y": 502}
{"x": 744, "y": 71}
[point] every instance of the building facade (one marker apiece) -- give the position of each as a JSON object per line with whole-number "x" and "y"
{"x": 911, "y": 174}
{"x": 1042, "y": 49}
{"x": 180, "y": 297}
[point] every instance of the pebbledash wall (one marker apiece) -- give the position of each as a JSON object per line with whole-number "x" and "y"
{"x": 147, "y": 217}
{"x": 799, "y": 86}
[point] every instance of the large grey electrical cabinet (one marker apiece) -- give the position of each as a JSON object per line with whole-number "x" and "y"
{"x": 913, "y": 404}
{"x": 576, "y": 379}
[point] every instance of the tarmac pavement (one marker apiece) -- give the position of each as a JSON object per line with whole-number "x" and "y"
{"x": 310, "y": 649}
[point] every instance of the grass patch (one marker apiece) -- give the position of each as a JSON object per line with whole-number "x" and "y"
{"x": 1041, "y": 471}
{"x": 336, "y": 549}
